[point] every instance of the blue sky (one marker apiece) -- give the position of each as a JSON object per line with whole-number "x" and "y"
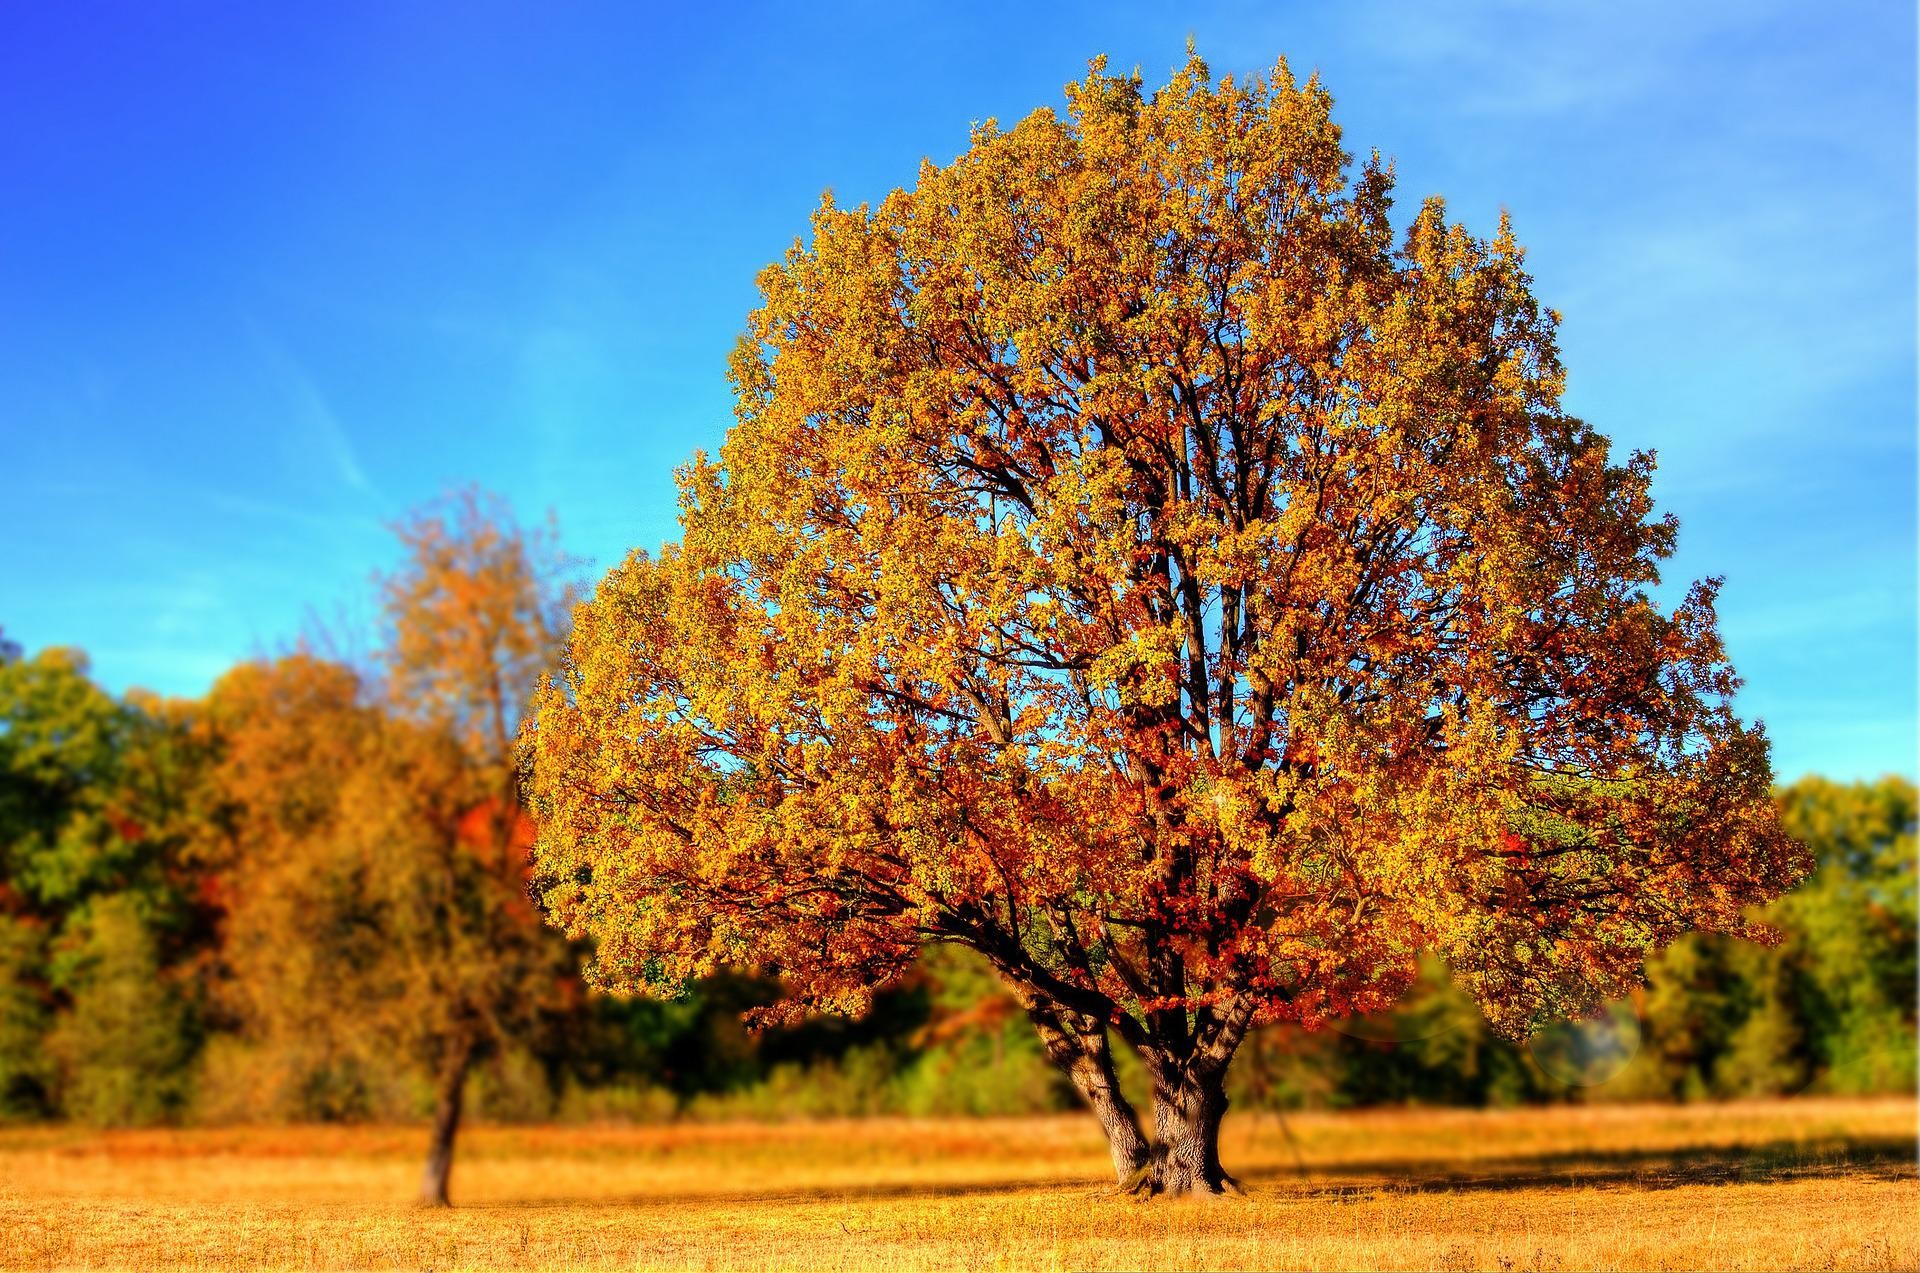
{"x": 270, "y": 275}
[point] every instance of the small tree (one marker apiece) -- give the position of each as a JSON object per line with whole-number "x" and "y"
{"x": 126, "y": 1041}
{"x": 1132, "y": 564}
{"x": 473, "y": 617}
{"x": 380, "y": 848}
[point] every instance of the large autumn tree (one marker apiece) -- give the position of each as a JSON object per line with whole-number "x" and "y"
{"x": 1135, "y": 561}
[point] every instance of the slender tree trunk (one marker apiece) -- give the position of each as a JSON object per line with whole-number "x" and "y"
{"x": 1094, "y": 1079}
{"x": 1085, "y": 1057}
{"x": 446, "y": 1123}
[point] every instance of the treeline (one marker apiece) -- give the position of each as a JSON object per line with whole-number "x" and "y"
{"x": 303, "y": 896}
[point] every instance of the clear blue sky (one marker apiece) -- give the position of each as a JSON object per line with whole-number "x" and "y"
{"x": 271, "y": 274}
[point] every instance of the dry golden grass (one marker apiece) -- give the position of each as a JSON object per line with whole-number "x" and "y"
{"x": 1806, "y": 1184}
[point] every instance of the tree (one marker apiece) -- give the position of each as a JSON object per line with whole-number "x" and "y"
{"x": 24, "y": 1019}
{"x": 380, "y": 847}
{"x": 127, "y": 1040}
{"x": 1852, "y": 947}
{"x": 313, "y": 975}
{"x": 62, "y": 739}
{"x": 1130, "y": 563}
{"x": 104, "y": 931}
{"x": 474, "y": 616}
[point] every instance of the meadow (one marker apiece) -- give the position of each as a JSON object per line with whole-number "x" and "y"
{"x": 1812, "y": 1183}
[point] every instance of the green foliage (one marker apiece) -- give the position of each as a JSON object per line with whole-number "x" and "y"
{"x": 976, "y": 1054}
{"x": 24, "y": 1019}
{"x": 105, "y": 925}
{"x": 1850, "y": 948}
{"x": 126, "y": 1043}
{"x": 1435, "y": 1048}
{"x": 1763, "y": 1056}
{"x": 1830, "y": 1007}
{"x": 62, "y": 739}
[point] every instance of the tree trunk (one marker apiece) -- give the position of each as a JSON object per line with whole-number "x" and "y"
{"x": 1189, "y": 1091}
{"x": 446, "y": 1123}
{"x": 1185, "y": 1159}
{"x": 1084, "y": 1056}
{"x": 1095, "y": 1081}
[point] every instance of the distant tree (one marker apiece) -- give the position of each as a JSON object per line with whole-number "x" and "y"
{"x": 1851, "y": 952}
{"x": 1131, "y": 564}
{"x": 474, "y": 616}
{"x": 60, "y": 736}
{"x": 311, "y": 983}
{"x": 25, "y": 1015}
{"x": 126, "y": 1040}
{"x": 380, "y": 847}
{"x": 976, "y": 1053}
{"x": 1830, "y": 1006}
{"x": 61, "y": 748}
{"x": 105, "y": 932}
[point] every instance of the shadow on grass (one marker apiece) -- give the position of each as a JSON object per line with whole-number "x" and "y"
{"x": 1773, "y": 1162}
{"x": 1865, "y": 1158}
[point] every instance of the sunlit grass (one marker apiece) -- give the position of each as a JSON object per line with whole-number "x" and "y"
{"x": 1809, "y": 1184}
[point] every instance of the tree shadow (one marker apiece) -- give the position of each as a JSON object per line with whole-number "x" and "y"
{"x": 1773, "y": 1162}
{"x": 1883, "y": 1158}
{"x": 852, "y": 1192}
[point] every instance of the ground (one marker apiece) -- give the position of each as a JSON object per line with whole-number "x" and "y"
{"x": 1807, "y": 1184}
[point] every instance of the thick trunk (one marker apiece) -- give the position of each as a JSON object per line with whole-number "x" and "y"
{"x": 1188, "y": 1061}
{"x": 446, "y": 1123}
{"x": 1185, "y": 1159}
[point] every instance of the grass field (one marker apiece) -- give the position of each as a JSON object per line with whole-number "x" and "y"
{"x": 1808, "y": 1184}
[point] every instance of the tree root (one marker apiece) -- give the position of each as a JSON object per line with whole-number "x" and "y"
{"x": 1149, "y": 1181}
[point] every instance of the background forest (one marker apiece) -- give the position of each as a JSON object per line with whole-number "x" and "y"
{"x": 303, "y": 897}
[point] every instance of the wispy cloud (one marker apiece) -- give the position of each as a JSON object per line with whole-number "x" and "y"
{"x": 252, "y": 507}
{"x": 1524, "y": 60}
{"x": 323, "y": 436}
{"x": 1886, "y": 607}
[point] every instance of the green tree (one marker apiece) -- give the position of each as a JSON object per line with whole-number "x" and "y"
{"x": 1850, "y": 931}
{"x": 109, "y": 932}
{"x": 25, "y": 1015}
{"x": 62, "y": 740}
{"x": 127, "y": 1038}
{"x": 1690, "y": 1007}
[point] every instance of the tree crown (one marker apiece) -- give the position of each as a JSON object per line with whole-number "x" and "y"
{"x": 1134, "y": 560}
